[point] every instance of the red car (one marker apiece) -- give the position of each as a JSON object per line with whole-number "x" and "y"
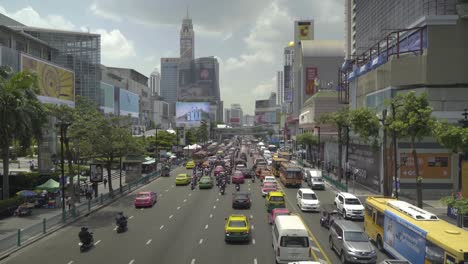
{"x": 145, "y": 199}
{"x": 237, "y": 177}
{"x": 218, "y": 169}
{"x": 275, "y": 212}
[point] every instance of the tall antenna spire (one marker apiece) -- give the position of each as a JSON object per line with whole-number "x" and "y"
{"x": 187, "y": 12}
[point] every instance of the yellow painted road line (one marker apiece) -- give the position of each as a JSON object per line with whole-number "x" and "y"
{"x": 308, "y": 230}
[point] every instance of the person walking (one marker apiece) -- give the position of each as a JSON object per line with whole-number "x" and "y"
{"x": 105, "y": 183}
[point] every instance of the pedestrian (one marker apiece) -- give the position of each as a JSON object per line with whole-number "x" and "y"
{"x": 69, "y": 204}
{"x": 105, "y": 183}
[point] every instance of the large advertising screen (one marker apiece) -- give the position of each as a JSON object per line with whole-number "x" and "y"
{"x": 266, "y": 118}
{"x": 129, "y": 104}
{"x": 190, "y": 114}
{"x": 106, "y": 98}
{"x": 56, "y": 84}
{"x": 304, "y": 30}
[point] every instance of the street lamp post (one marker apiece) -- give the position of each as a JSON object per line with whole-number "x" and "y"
{"x": 63, "y": 127}
{"x": 463, "y": 156}
{"x": 319, "y": 146}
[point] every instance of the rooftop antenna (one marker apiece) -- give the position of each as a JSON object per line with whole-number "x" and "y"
{"x": 187, "y": 12}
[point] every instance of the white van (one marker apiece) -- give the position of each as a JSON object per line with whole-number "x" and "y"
{"x": 291, "y": 240}
{"x": 314, "y": 179}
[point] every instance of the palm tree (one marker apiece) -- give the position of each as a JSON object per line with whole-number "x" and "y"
{"x": 21, "y": 114}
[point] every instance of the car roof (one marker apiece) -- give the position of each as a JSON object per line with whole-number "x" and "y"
{"x": 182, "y": 174}
{"x": 240, "y": 193}
{"x": 146, "y": 192}
{"x": 348, "y": 225}
{"x": 277, "y": 193}
{"x": 306, "y": 190}
{"x": 347, "y": 195}
{"x": 237, "y": 217}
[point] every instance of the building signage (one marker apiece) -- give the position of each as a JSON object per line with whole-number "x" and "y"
{"x": 311, "y": 76}
{"x": 304, "y": 30}
{"x": 431, "y": 165}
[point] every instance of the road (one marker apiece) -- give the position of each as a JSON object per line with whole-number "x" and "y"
{"x": 184, "y": 226}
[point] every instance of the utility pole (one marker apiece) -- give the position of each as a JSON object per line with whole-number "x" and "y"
{"x": 396, "y": 179}
{"x": 347, "y": 154}
{"x": 386, "y": 185}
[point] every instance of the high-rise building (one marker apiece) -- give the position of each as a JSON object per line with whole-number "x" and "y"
{"x": 288, "y": 73}
{"x": 279, "y": 87}
{"x": 154, "y": 82}
{"x": 199, "y": 80}
{"x": 187, "y": 39}
{"x": 169, "y": 80}
{"x": 227, "y": 115}
{"x": 236, "y": 115}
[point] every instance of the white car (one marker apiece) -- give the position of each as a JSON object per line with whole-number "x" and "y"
{"x": 269, "y": 179}
{"x": 349, "y": 205}
{"x": 307, "y": 200}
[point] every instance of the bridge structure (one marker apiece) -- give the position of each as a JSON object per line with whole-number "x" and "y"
{"x": 221, "y": 133}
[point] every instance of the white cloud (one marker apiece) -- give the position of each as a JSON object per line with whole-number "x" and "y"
{"x": 103, "y": 13}
{"x": 32, "y": 18}
{"x": 263, "y": 90}
{"x": 227, "y": 36}
{"x": 115, "y": 46}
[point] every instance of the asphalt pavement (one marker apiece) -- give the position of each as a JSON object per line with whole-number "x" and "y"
{"x": 184, "y": 226}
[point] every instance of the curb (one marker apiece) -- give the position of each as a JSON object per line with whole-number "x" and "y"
{"x": 7, "y": 253}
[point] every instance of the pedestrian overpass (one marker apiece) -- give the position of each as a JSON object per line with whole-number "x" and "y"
{"x": 221, "y": 133}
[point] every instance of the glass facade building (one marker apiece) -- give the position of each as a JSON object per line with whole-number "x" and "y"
{"x": 169, "y": 79}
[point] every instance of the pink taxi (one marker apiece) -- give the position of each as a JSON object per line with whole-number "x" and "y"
{"x": 275, "y": 212}
{"x": 145, "y": 199}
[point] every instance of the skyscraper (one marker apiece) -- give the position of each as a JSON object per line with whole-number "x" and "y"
{"x": 279, "y": 87}
{"x": 168, "y": 83}
{"x": 154, "y": 82}
{"x": 287, "y": 72}
{"x": 187, "y": 39}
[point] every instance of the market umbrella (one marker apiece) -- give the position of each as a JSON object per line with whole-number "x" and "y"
{"x": 26, "y": 193}
{"x": 50, "y": 186}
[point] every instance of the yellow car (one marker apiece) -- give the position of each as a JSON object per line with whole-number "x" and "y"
{"x": 237, "y": 228}
{"x": 275, "y": 200}
{"x": 190, "y": 165}
{"x": 182, "y": 179}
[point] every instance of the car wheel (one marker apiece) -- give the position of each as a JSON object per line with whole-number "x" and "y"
{"x": 343, "y": 258}
{"x": 344, "y": 214}
{"x": 330, "y": 243}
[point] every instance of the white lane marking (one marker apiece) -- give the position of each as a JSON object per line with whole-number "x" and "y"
{"x": 211, "y": 216}
{"x": 252, "y": 227}
{"x": 141, "y": 209}
{"x": 160, "y": 195}
{"x": 166, "y": 190}
{"x": 173, "y": 186}
{"x": 115, "y": 228}
{"x": 185, "y": 200}
{"x": 219, "y": 193}
{"x": 130, "y": 217}
{"x": 251, "y": 216}
{"x": 97, "y": 242}
{"x": 253, "y": 241}
{"x": 201, "y": 241}
{"x": 189, "y": 194}
{"x": 249, "y": 189}
{"x": 149, "y": 241}
{"x": 314, "y": 248}
{"x": 70, "y": 262}
{"x": 255, "y": 261}
{"x": 206, "y": 226}
{"x": 322, "y": 261}
{"x": 214, "y": 206}
{"x": 178, "y": 207}
{"x": 193, "y": 261}
{"x": 131, "y": 261}
{"x": 171, "y": 216}
{"x": 217, "y": 199}
{"x": 161, "y": 227}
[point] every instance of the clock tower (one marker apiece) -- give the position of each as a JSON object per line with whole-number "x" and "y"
{"x": 187, "y": 39}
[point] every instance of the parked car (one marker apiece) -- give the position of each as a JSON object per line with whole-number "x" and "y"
{"x": 237, "y": 177}
{"x": 241, "y": 200}
{"x": 145, "y": 199}
{"x": 351, "y": 243}
{"x": 349, "y": 205}
{"x": 307, "y": 200}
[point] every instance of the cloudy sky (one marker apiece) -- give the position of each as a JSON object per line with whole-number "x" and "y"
{"x": 248, "y": 36}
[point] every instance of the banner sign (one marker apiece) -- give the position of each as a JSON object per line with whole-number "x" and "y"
{"x": 311, "y": 75}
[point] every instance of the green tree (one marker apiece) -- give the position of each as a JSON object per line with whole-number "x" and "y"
{"x": 413, "y": 120}
{"x": 340, "y": 120}
{"x": 309, "y": 140}
{"x": 202, "y": 132}
{"x": 191, "y": 136}
{"x": 365, "y": 123}
{"x": 165, "y": 140}
{"x": 451, "y": 136}
{"x": 21, "y": 115}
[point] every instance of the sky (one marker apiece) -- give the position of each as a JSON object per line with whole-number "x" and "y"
{"x": 247, "y": 36}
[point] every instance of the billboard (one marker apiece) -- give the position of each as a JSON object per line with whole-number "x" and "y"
{"x": 262, "y": 103}
{"x": 129, "y": 103}
{"x": 97, "y": 172}
{"x": 198, "y": 80}
{"x": 190, "y": 114}
{"x": 287, "y": 84}
{"x": 311, "y": 76}
{"x": 270, "y": 117}
{"x": 401, "y": 238}
{"x": 304, "y": 30}
{"x": 106, "y": 98}
{"x": 56, "y": 84}
{"x": 431, "y": 165}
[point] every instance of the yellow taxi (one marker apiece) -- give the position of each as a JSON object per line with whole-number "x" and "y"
{"x": 182, "y": 179}
{"x": 275, "y": 200}
{"x": 190, "y": 164}
{"x": 237, "y": 228}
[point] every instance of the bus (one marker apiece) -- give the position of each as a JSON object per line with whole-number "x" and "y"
{"x": 290, "y": 174}
{"x": 413, "y": 234}
{"x": 285, "y": 155}
{"x": 276, "y": 164}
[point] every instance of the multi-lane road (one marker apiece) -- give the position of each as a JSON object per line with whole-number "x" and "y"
{"x": 184, "y": 226}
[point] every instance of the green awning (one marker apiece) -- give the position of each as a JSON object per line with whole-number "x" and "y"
{"x": 149, "y": 162}
{"x": 49, "y": 185}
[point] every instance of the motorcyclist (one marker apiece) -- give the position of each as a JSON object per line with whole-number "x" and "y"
{"x": 121, "y": 220}
{"x": 237, "y": 187}
{"x": 85, "y": 236}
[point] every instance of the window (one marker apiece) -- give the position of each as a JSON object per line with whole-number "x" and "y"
{"x": 294, "y": 241}
{"x": 380, "y": 219}
{"x": 353, "y": 201}
{"x": 368, "y": 210}
{"x": 309, "y": 196}
{"x": 340, "y": 198}
{"x": 356, "y": 237}
{"x": 434, "y": 253}
{"x": 237, "y": 223}
{"x": 275, "y": 230}
{"x": 277, "y": 199}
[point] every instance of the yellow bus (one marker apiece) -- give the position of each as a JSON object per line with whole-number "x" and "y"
{"x": 418, "y": 236}
{"x": 290, "y": 174}
{"x": 285, "y": 155}
{"x": 276, "y": 164}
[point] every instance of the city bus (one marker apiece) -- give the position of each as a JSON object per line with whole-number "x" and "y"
{"x": 276, "y": 164}
{"x": 413, "y": 234}
{"x": 285, "y": 155}
{"x": 290, "y": 174}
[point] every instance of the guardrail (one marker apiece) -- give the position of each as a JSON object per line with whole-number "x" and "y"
{"x": 23, "y": 236}
{"x": 339, "y": 185}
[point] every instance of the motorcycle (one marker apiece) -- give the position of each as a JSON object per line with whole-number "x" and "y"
{"x": 122, "y": 226}
{"x": 85, "y": 247}
{"x": 237, "y": 187}
{"x": 222, "y": 191}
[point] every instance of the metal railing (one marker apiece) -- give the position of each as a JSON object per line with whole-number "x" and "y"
{"x": 49, "y": 224}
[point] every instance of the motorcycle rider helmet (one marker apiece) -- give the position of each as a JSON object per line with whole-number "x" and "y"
{"x": 84, "y": 228}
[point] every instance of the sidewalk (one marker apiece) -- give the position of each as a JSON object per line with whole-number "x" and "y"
{"x": 9, "y": 226}
{"x": 433, "y": 206}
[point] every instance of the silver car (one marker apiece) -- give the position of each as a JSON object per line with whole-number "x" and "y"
{"x": 351, "y": 243}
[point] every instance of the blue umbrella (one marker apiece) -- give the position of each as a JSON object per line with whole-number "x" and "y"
{"x": 26, "y": 193}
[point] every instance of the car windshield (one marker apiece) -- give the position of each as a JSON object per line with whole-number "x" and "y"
{"x": 277, "y": 198}
{"x": 143, "y": 195}
{"x": 294, "y": 241}
{"x": 309, "y": 196}
{"x": 241, "y": 196}
{"x": 269, "y": 185}
{"x": 352, "y": 201}
{"x": 355, "y": 236}
{"x": 317, "y": 179}
{"x": 237, "y": 223}
{"x": 181, "y": 176}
